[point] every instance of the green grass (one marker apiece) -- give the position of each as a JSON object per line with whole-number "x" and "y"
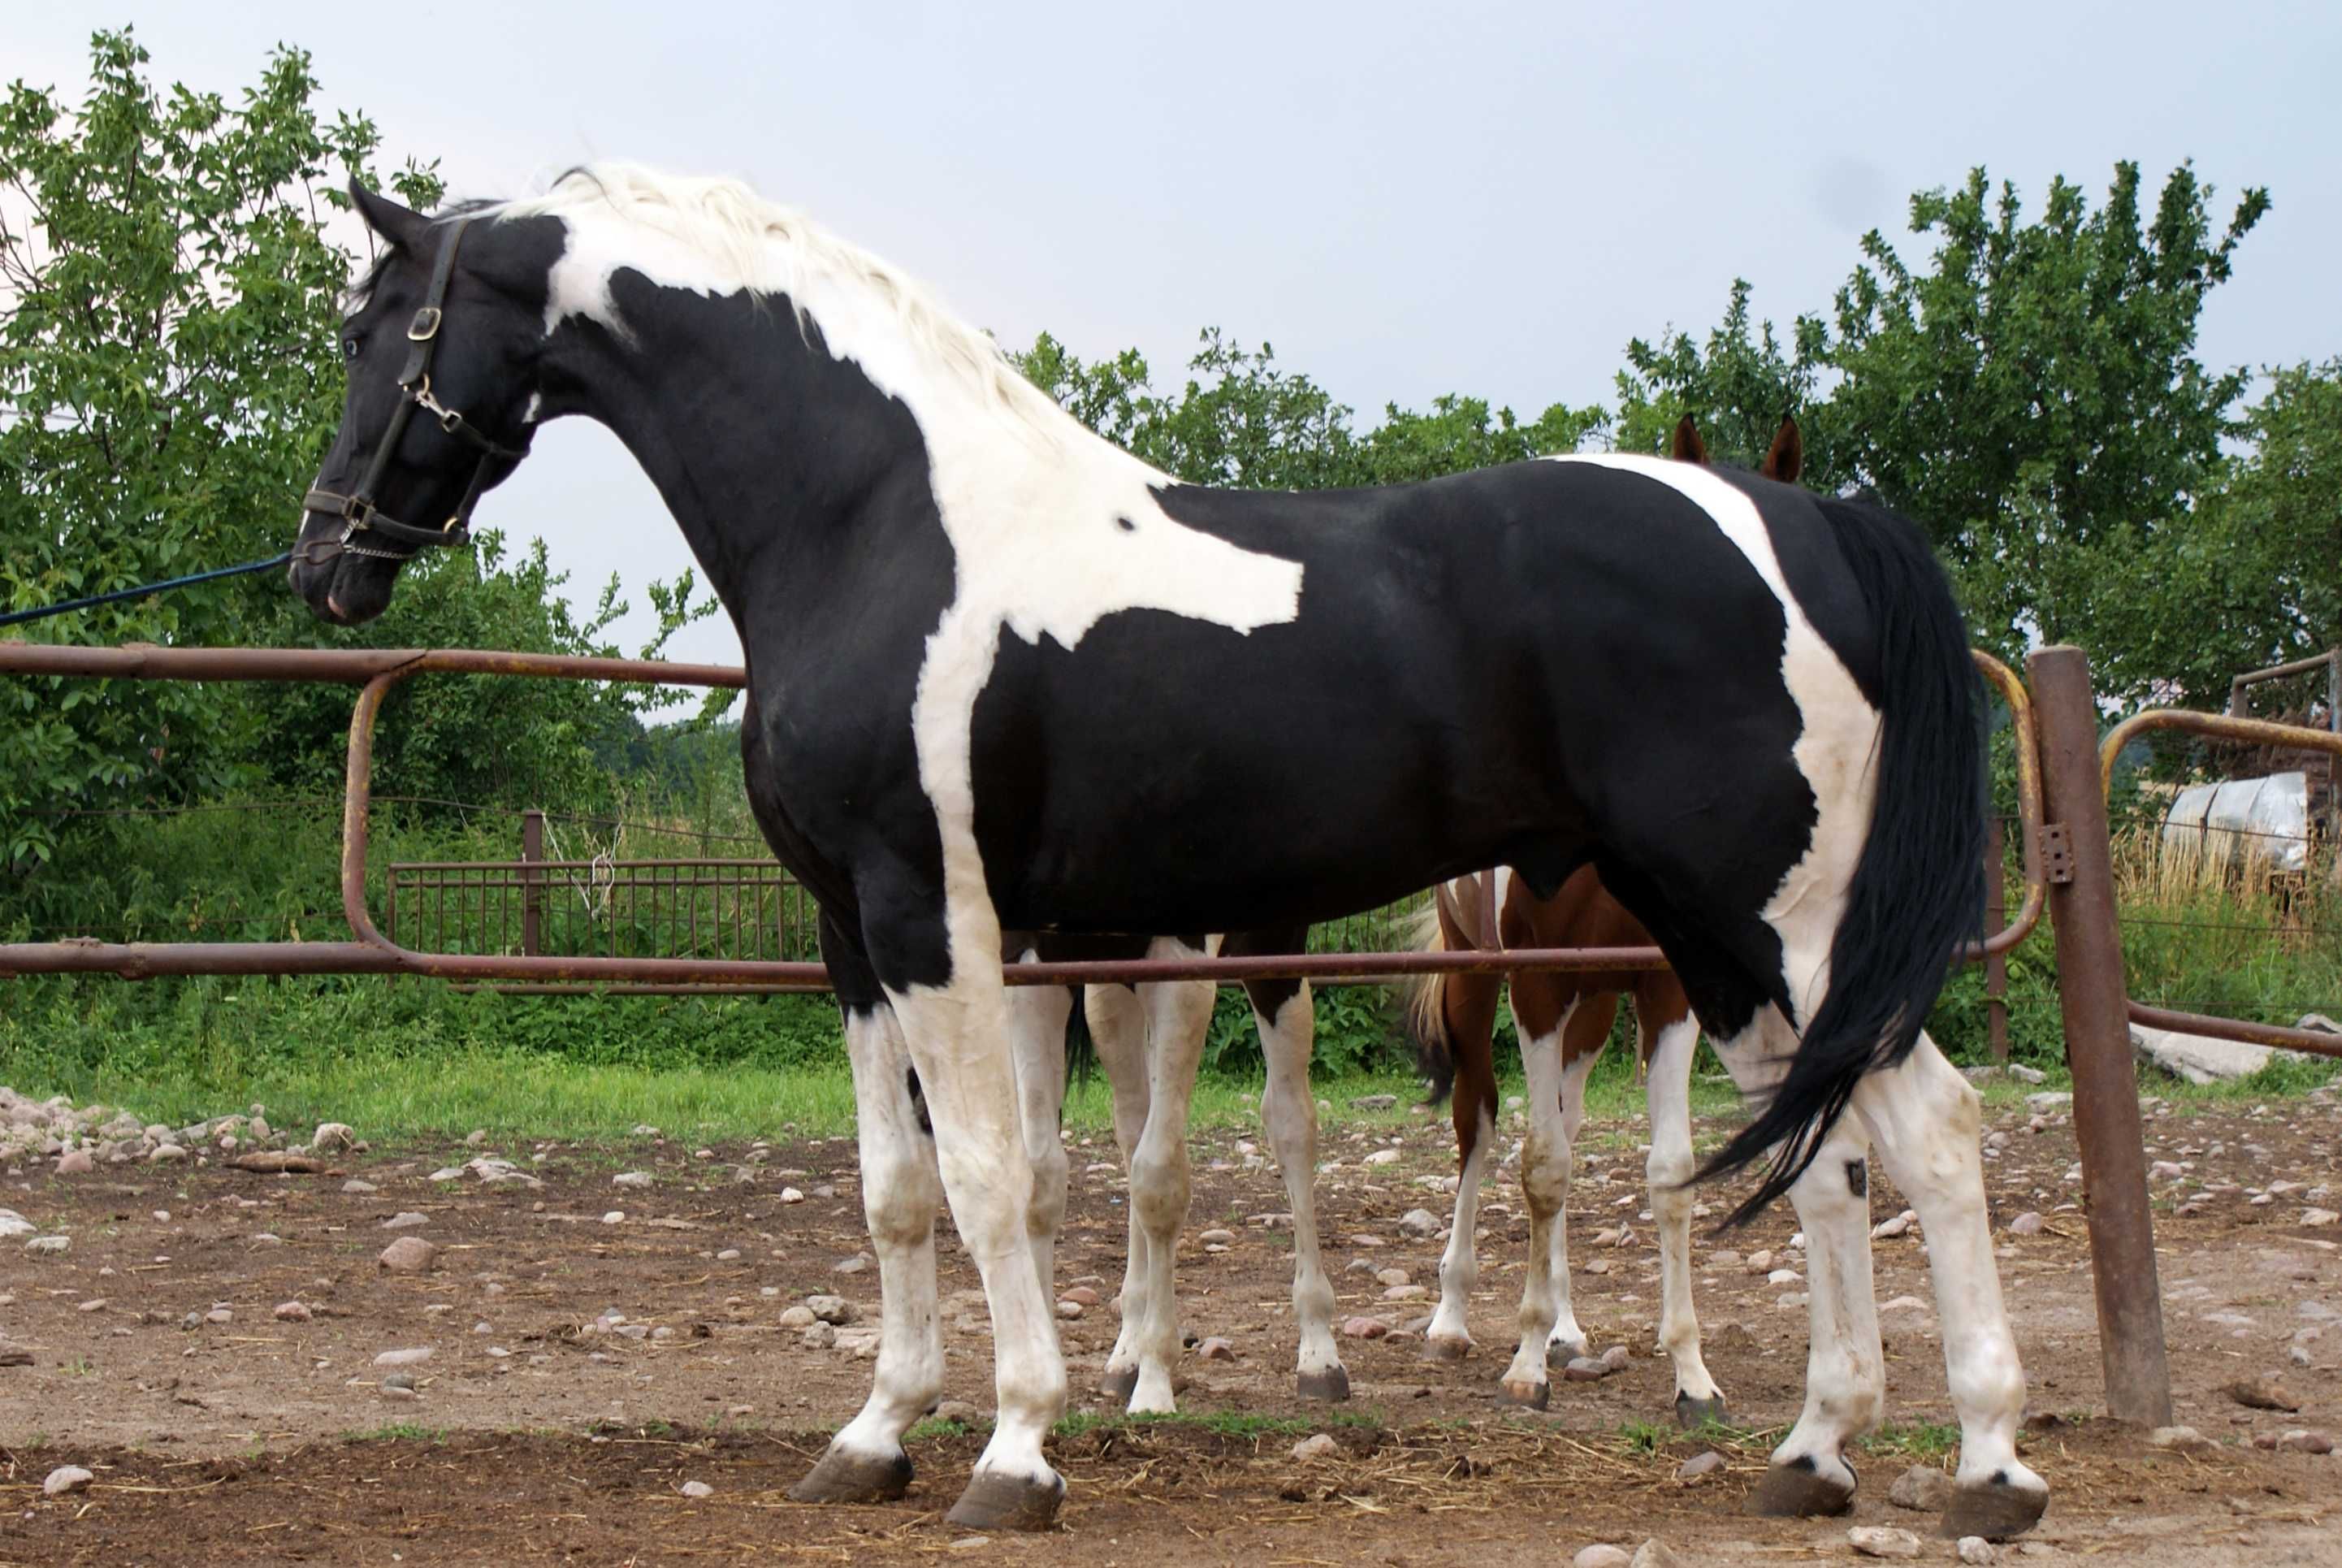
{"x": 1920, "y": 1439}
{"x": 398, "y": 1431}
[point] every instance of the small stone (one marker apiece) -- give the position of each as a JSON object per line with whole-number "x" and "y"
{"x": 1391, "y": 1276}
{"x": 820, "y": 1336}
{"x": 406, "y": 1222}
{"x": 2044, "y": 1104}
{"x": 1726, "y": 1259}
{"x": 1406, "y": 1293}
{"x": 2185, "y": 1438}
{"x": 13, "y": 1224}
{"x": 49, "y": 1246}
{"x": 1923, "y": 1489}
{"x": 411, "y": 1358}
{"x": 1321, "y": 1446}
{"x": 2317, "y": 1217}
{"x": 1373, "y": 1102}
{"x": 1887, "y": 1229}
{"x": 1697, "y": 1465}
{"x": 1976, "y": 1550}
{"x": 1081, "y": 1296}
{"x": 1761, "y": 1261}
{"x": 1217, "y": 1239}
{"x": 65, "y": 1478}
{"x": 357, "y": 1185}
{"x": 1069, "y": 1309}
{"x": 615, "y": 1217}
{"x": 331, "y": 1137}
{"x": 1216, "y": 1349}
{"x": 1883, "y": 1541}
{"x": 631, "y": 1179}
{"x": 2027, "y": 1224}
{"x": 76, "y": 1162}
{"x": 1656, "y": 1554}
{"x": 798, "y": 1317}
{"x": 833, "y": 1310}
{"x": 166, "y": 1154}
{"x": 2262, "y": 1393}
{"x": 729, "y": 1255}
{"x": 97, "y": 1305}
{"x": 697, "y": 1489}
{"x": 1419, "y": 1223}
{"x": 2024, "y": 1074}
{"x": 2306, "y": 1443}
{"x": 1600, "y": 1555}
{"x": 1381, "y": 1157}
{"x": 791, "y": 1195}
{"x": 1783, "y": 1277}
{"x": 954, "y": 1409}
{"x": 448, "y": 1174}
{"x": 408, "y": 1255}
{"x": 1586, "y": 1369}
{"x": 853, "y": 1265}
{"x": 1615, "y": 1358}
{"x": 1365, "y": 1328}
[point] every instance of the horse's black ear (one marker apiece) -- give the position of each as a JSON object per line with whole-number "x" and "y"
{"x": 398, "y": 225}
{"x": 1687, "y": 446}
{"x": 1787, "y": 460}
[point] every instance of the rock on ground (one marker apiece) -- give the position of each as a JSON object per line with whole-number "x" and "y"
{"x": 1883, "y": 1541}
{"x": 408, "y": 1255}
{"x": 65, "y": 1478}
{"x": 1975, "y": 1549}
{"x": 1923, "y": 1489}
{"x": 1321, "y": 1446}
{"x": 1600, "y": 1556}
{"x": 1655, "y": 1554}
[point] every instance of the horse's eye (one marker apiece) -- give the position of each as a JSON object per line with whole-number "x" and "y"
{"x": 349, "y": 348}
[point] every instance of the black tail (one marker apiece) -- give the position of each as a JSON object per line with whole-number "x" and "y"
{"x": 1917, "y": 893}
{"x": 1081, "y": 1050}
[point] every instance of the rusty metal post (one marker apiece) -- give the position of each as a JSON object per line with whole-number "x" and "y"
{"x": 2097, "y": 1044}
{"x": 532, "y": 897}
{"x": 1995, "y": 965}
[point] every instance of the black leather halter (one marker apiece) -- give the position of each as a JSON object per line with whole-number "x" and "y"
{"x": 357, "y": 509}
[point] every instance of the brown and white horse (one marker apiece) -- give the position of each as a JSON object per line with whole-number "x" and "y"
{"x": 1564, "y": 1019}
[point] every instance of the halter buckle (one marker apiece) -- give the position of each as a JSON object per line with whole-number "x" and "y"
{"x": 425, "y": 325}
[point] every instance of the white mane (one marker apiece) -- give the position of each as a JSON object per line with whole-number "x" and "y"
{"x": 762, "y": 246}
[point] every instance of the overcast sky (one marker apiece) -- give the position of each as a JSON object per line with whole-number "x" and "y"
{"x": 1404, "y": 199}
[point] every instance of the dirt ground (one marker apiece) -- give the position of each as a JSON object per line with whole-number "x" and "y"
{"x": 244, "y": 1438}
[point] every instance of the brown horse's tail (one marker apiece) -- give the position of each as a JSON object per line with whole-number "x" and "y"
{"x": 1426, "y": 1008}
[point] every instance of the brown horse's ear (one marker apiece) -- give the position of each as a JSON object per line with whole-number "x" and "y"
{"x": 1687, "y": 447}
{"x": 1787, "y": 460}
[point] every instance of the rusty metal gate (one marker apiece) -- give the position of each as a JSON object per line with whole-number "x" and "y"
{"x": 2067, "y": 854}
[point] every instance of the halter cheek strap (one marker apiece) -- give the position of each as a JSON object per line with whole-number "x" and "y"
{"x": 357, "y": 509}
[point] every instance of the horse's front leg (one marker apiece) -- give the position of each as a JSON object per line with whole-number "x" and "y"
{"x": 958, "y": 1034}
{"x": 1287, "y": 1022}
{"x": 901, "y": 1193}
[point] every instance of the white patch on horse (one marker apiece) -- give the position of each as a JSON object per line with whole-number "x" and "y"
{"x": 1836, "y": 741}
{"x": 1051, "y": 527}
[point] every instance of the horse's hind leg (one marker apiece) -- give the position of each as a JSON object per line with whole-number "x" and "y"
{"x": 1118, "y": 1024}
{"x": 1669, "y": 1167}
{"x": 1037, "y": 1038}
{"x": 1845, "y": 1373}
{"x": 1548, "y": 1328}
{"x": 1178, "y": 1016}
{"x": 1468, "y": 1004}
{"x": 1925, "y": 1119}
{"x": 1282, "y": 1010}
{"x": 901, "y": 1192}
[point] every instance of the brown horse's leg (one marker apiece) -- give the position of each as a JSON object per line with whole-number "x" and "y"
{"x": 1468, "y": 1016}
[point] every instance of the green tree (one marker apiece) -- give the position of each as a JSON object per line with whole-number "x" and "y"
{"x": 1736, "y": 388}
{"x": 2032, "y": 395}
{"x": 1243, "y": 420}
{"x": 168, "y": 381}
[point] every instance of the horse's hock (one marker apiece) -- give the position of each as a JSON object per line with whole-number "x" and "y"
{"x": 2067, "y": 858}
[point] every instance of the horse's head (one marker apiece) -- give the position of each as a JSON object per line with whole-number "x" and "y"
{"x": 444, "y": 351}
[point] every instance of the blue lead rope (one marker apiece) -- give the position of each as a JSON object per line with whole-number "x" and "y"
{"x": 44, "y": 611}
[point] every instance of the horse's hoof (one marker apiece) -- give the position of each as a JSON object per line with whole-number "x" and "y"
{"x": 1994, "y": 1510}
{"x": 1446, "y": 1350}
{"x": 1691, "y": 1414}
{"x": 1561, "y": 1352}
{"x": 1799, "y": 1491}
{"x": 1527, "y": 1395}
{"x": 843, "y": 1477}
{"x": 995, "y": 1502}
{"x": 1331, "y": 1385}
{"x": 1118, "y": 1382}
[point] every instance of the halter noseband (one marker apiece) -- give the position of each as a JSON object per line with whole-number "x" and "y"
{"x": 357, "y": 509}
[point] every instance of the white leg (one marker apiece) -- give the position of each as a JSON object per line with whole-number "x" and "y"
{"x": 1846, "y": 1374}
{"x": 1668, "y": 1091}
{"x": 901, "y": 1193}
{"x": 1290, "y": 1113}
{"x": 958, "y": 1039}
{"x": 1545, "y": 1315}
{"x": 1449, "y": 1338}
{"x": 1037, "y": 1024}
{"x": 1925, "y": 1119}
{"x": 1567, "y": 1339}
{"x": 1178, "y": 1016}
{"x": 1118, "y": 1033}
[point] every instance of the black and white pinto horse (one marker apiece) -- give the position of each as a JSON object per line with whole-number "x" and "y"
{"x": 1004, "y": 676}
